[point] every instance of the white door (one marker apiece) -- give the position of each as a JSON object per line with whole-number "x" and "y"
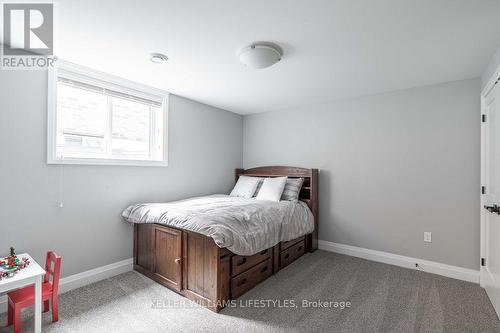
{"x": 490, "y": 212}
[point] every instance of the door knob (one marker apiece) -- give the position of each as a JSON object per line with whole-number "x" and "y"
{"x": 177, "y": 261}
{"x": 493, "y": 209}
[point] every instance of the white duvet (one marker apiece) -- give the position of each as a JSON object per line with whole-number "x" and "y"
{"x": 244, "y": 226}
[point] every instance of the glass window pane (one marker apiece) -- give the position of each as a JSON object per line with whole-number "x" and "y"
{"x": 158, "y": 133}
{"x": 130, "y": 130}
{"x": 81, "y": 121}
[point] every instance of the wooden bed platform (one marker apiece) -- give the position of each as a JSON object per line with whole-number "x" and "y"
{"x": 195, "y": 267}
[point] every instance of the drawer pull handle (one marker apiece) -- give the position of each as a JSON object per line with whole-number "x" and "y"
{"x": 242, "y": 282}
{"x": 178, "y": 260}
{"x": 299, "y": 249}
{"x": 287, "y": 255}
{"x": 243, "y": 260}
{"x": 263, "y": 252}
{"x": 263, "y": 269}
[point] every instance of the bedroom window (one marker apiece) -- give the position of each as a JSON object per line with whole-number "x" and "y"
{"x": 96, "y": 118}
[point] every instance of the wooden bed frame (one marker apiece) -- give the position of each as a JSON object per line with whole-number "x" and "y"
{"x": 195, "y": 267}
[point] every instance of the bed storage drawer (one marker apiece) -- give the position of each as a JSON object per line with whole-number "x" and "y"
{"x": 292, "y": 253}
{"x": 287, "y": 244}
{"x": 249, "y": 279}
{"x": 239, "y": 264}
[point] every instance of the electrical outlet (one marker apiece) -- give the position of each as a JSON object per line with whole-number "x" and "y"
{"x": 427, "y": 236}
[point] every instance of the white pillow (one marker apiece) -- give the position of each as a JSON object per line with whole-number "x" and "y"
{"x": 245, "y": 187}
{"x": 271, "y": 189}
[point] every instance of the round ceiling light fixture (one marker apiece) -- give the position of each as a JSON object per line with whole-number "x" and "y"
{"x": 158, "y": 58}
{"x": 260, "y": 55}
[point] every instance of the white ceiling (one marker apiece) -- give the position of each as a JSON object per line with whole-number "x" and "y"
{"x": 333, "y": 49}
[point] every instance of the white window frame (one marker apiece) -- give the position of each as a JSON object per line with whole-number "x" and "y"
{"x": 94, "y": 77}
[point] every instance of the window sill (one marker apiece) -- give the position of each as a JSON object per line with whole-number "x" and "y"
{"x": 110, "y": 162}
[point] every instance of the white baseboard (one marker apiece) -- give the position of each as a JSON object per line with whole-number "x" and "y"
{"x": 450, "y": 271}
{"x": 84, "y": 278}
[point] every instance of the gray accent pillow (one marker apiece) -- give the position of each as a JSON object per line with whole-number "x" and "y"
{"x": 292, "y": 189}
{"x": 259, "y": 185}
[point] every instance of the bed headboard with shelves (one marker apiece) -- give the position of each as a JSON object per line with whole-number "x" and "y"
{"x": 308, "y": 193}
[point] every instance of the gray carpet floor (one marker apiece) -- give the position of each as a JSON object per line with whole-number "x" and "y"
{"x": 383, "y": 298}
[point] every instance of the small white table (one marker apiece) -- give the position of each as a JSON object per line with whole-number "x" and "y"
{"x": 32, "y": 274}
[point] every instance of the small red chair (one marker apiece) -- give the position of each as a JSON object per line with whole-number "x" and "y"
{"x": 25, "y": 297}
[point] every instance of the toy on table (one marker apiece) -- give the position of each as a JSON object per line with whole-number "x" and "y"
{"x": 12, "y": 264}
{"x": 11, "y": 260}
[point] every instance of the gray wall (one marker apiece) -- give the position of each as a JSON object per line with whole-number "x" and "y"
{"x": 204, "y": 148}
{"x": 491, "y": 68}
{"x": 392, "y": 166}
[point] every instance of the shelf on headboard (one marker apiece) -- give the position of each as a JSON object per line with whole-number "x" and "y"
{"x": 270, "y": 175}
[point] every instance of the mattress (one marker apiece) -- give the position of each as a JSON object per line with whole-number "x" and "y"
{"x": 244, "y": 226}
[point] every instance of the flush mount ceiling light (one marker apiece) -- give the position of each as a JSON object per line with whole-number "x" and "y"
{"x": 260, "y": 55}
{"x": 158, "y": 58}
